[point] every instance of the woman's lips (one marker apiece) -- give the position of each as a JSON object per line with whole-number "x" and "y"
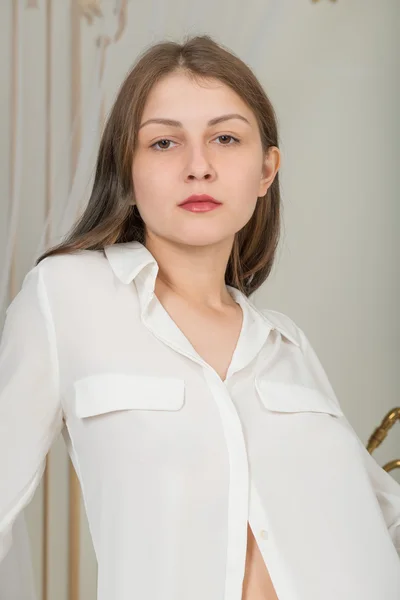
{"x": 200, "y": 206}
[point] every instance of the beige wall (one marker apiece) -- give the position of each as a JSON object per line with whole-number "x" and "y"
{"x": 332, "y": 73}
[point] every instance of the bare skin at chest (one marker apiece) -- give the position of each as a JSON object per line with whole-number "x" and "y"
{"x": 257, "y": 584}
{"x": 214, "y": 336}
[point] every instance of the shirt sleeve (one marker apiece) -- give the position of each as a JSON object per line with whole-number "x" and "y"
{"x": 386, "y": 488}
{"x": 30, "y": 410}
{"x": 17, "y": 580}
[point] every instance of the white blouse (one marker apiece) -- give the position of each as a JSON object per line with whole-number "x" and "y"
{"x": 172, "y": 460}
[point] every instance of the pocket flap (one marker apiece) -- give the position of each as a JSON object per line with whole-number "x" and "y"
{"x": 292, "y": 398}
{"x": 107, "y": 392}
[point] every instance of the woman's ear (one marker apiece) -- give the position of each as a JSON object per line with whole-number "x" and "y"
{"x": 270, "y": 168}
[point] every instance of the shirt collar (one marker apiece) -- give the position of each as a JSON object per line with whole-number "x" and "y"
{"x": 133, "y": 261}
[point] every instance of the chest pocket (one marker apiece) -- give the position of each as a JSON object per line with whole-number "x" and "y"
{"x": 291, "y": 398}
{"x": 109, "y": 392}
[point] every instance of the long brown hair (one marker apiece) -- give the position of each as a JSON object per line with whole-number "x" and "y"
{"x": 110, "y": 218}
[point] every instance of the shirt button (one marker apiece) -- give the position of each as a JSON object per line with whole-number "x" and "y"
{"x": 264, "y": 534}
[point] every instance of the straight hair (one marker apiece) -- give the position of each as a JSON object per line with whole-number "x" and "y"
{"x": 109, "y": 217}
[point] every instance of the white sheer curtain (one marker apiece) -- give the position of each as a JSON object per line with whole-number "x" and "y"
{"x": 16, "y": 569}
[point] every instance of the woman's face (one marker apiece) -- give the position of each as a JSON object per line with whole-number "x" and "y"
{"x": 174, "y": 161}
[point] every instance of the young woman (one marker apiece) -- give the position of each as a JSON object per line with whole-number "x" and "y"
{"x": 214, "y": 458}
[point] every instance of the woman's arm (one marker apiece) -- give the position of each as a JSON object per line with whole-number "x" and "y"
{"x": 30, "y": 410}
{"x": 388, "y": 495}
{"x": 386, "y": 488}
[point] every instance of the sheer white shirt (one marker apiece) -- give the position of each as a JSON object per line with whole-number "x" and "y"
{"x": 173, "y": 461}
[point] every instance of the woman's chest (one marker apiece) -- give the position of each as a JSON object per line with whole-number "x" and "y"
{"x": 168, "y": 421}
{"x": 133, "y": 399}
{"x": 214, "y": 335}
{"x": 257, "y": 584}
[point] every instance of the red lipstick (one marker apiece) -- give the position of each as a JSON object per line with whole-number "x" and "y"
{"x": 200, "y": 203}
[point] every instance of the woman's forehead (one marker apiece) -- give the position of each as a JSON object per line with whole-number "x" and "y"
{"x": 180, "y": 100}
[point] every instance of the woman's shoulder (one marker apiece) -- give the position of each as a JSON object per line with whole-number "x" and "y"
{"x": 284, "y": 324}
{"x": 66, "y": 277}
{"x": 73, "y": 267}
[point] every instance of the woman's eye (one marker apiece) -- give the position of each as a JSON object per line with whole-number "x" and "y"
{"x": 157, "y": 144}
{"x": 235, "y": 140}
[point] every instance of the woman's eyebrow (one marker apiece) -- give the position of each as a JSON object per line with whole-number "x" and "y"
{"x": 173, "y": 123}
